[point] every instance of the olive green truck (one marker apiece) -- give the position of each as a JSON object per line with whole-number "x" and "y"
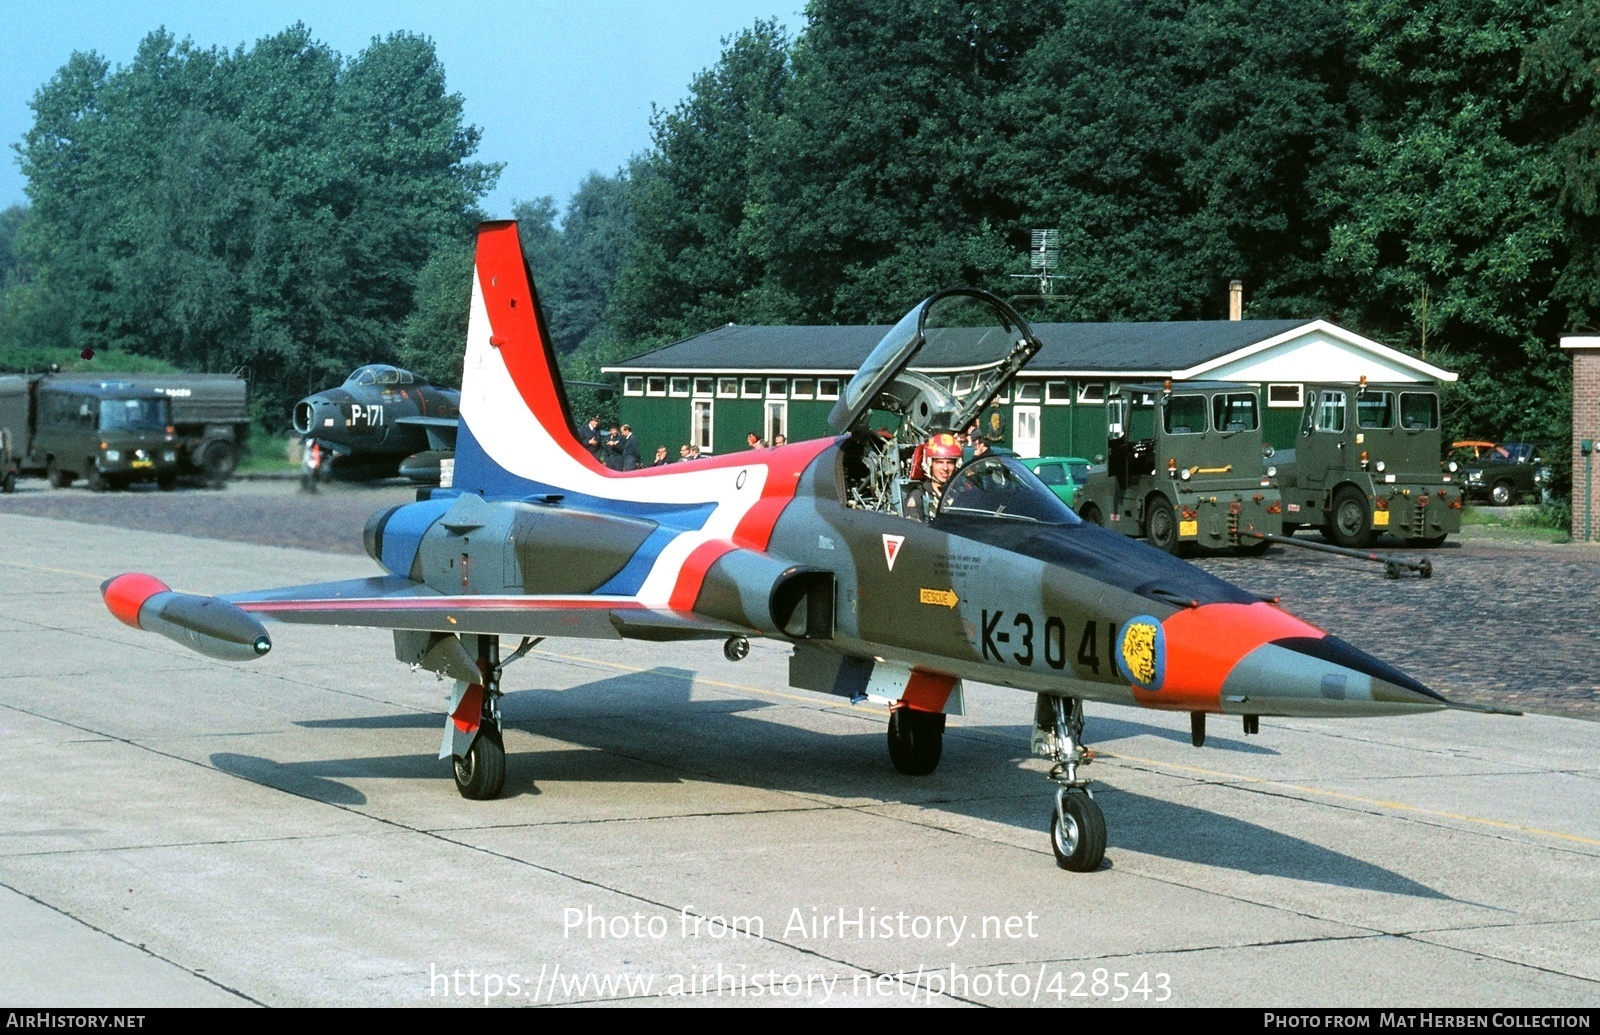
{"x": 116, "y": 429}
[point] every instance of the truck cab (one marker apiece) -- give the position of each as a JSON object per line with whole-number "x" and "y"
{"x": 1184, "y": 468}
{"x": 1367, "y": 462}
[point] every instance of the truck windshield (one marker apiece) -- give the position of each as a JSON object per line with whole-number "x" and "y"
{"x": 1419, "y": 411}
{"x": 133, "y": 414}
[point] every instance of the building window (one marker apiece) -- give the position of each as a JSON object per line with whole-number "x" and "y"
{"x": 700, "y": 424}
{"x": 752, "y": 388}
{"x": 964, "y": 384}
{"x": 777, "y": 387}
{"x": 1283, "y": 396}
{"x": 776, "y": 422}
{"x": 1092, "y": 393}
{"x": 727, "y": 388}
{"x": 704, "y": 385}
{"x": 1057, "y": 393}
{"x": 804, "y": 388}
{"x": 655, "y": 386}
{"x": 1028, "y": 391}
{"x": 828, "y": 388}
{"x": 633, "y": 386}
{"x": 680, "y": 386}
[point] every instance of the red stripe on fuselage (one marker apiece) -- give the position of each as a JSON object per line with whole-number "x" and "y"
{"x": 126, "y": 594}
{"x": 1203, "y": 645}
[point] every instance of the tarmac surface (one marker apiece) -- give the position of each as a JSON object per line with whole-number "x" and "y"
{"x": 679, "y": 829}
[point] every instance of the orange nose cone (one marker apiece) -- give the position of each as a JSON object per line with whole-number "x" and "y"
{"x": 1202, "y": 646}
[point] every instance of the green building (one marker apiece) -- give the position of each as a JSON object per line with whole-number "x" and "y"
{"x": 715, "y": 388}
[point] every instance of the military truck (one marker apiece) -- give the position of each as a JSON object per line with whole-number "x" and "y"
{"x": 1367, "y": 462}
{"x": 111, "y": 433}
{"x": 210, "y": 417}
{"x": 1184, "y": 468}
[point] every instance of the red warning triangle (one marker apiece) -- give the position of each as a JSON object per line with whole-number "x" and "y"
{"x": 891, "y": 548}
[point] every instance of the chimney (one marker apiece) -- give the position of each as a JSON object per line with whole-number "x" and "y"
{"x": 1236, "y": 300}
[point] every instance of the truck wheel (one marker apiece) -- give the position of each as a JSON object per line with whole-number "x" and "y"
{"x": 1091, "y": 514}
{"x": 218, "y": 458}
{"x": 166, "y": 482}
{"x": 1351, "y": 526}
{"x": 58, "y": 478}
{"x": 98, "y": 482}
{"x": 9, "y": 482}
{"x": 1161, "y": 525}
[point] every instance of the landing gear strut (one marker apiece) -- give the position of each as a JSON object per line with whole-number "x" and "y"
{"x": 1077, "y": 826}
{"x": 916, "y": 739}
{"x": 479, "y": 763}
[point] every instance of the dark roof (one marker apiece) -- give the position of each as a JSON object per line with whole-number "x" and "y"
{"x": 1127, "y": 348}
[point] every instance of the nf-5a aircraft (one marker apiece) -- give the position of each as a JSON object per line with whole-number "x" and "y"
{"x": 805, "y": 544}
{"x": 379, "y": 417}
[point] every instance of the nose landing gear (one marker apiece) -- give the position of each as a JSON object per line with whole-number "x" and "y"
{"x": 1077, "y": 826}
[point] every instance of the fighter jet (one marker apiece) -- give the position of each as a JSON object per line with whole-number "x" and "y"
{"x": 804, "y": 544}
{"x": 378, "y": 418}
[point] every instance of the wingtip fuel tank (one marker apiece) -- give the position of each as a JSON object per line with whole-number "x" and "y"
{"x": 211, "y": 626}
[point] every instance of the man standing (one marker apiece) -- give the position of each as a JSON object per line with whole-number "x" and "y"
{"x": 613, "y": 449}
{"x": 630, "y": 450}
{"x": 589, "y": 436}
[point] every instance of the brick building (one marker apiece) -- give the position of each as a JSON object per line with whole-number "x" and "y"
{"x": 1585, "y": 427}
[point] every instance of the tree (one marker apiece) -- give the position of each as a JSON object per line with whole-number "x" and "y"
{"x": 269, "y": 208}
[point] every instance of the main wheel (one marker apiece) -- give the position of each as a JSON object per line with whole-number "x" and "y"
{"x": 1352, "y": 519}
{"x": 1503, "y": 494}
{"x": 916, "y": 739}
{"x": 98, "y": 482}
{"x": 1161, "y": 525}
{"x": 58, "y": 478}
{"x": 481, "y": 772}
{"x": 1077, "y": 831}
{"x": 1091, "y": 514}
{"x": 218, "y": 458}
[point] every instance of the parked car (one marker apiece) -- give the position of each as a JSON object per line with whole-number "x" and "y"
{"x": 1505, "y": 474}
{"x": 1063, "y": 474}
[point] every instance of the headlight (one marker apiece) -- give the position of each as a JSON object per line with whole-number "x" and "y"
{"x": 170, "y": 457}
{"x": 1272, "y": 472}
{"x": 113, "y": 455}
{"x": 1380, "y": 467}
{"x": 1453, "y": 467}
{"x": 1475, "y": 477}
{"x": 1184, "y": 474}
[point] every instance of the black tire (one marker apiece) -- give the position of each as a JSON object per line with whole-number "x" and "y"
{"x": 1077, "y": 832}
{"x": 218, "y": 459}
{"x": 916, "y": 740}
{"x": 1161, "y": 524}
{"x": 166, "y": 482}
{"x": 1503, "y": 494}
{"x": 1290, "y": 528}
{"x": 1351, "y": 526}
{"x": 58, "y": 478}
{"x": 98, "y": 482}
{"x": 9, "y": 482}
{"x": 481, "y": 772}
{"x": 1091, "y": 514}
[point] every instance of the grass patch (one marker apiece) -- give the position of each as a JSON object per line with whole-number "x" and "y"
{"x": 1547, "y": 522}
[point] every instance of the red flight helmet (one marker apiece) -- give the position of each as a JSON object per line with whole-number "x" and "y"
{"x": 944, "y": 446}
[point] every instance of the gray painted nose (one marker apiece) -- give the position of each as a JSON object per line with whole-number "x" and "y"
{"x": 1322, "y": 676}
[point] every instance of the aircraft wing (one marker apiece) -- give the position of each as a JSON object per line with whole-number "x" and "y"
{"x": 229, "y": 627}
{"x": 441, "y": 431}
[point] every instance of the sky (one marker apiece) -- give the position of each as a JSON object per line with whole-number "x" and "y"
{"x": 559, "y": 89}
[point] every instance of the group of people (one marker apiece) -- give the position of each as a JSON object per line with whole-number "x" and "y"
{"x": 617, "y": 447}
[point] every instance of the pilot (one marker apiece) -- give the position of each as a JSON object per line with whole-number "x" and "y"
{"x": 939, "y": 457}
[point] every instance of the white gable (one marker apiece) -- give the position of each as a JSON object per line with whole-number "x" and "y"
{"x": 1319, "y": 351}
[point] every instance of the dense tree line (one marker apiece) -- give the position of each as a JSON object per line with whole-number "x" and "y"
{"x": 1423, "y": 173}
{"x": 269, "y": 208}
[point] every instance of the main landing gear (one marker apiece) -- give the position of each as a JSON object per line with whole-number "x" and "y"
{"x": 1077, "y": 826}
{"x": 916, "y": 739}
{"x": 477, "y": 749}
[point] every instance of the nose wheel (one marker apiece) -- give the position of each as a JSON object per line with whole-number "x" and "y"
{"x": 1077, "y": 826}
